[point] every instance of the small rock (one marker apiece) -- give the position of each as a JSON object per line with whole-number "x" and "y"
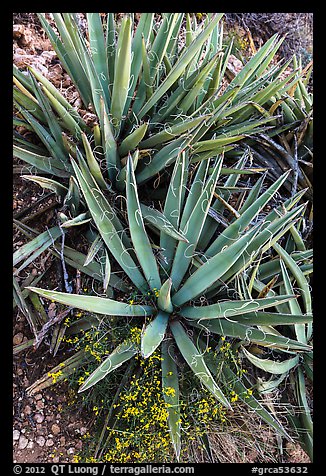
{"x": 38, "y": 396}
{"x": 18, "y": 31}
{"x": 18, "y": 338}
{"x": 40, "y": 440}
{"x": 62, "y": 440}
{"x": 30, "y": 445}
{"x": 38, "y": 417}
{"x": 83, "y": 430}
{"x": 79, "y": 445}
{"x": 23, "y": 442}
{"x": 55, "y": 429}
{"x": 16, "y": 435}
{"x": 27, "y": 410}
{"x": 39, "y": 405}
{"x": 56, "y": 459}
{"x": 71, "y": 450}
{"x": 49, "y": 442}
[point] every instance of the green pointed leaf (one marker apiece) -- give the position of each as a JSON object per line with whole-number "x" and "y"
{"x": 121, "y": 71}
{"x": 228, "y": 309}
{"x": 31, "y": 250}
{"x": 99, "y": 208}
{"x": 125, "y": 351}
{"x": 107, "y": 271}
{"x": 49, "y": 184}
{"x": 153, "y": 334}
{"x": 193, "y": 227}
{"x": 180, "y": 65}
{"x": 159, "y": 221}
{"x": 225, "y": 327}
{"x": 212, "y": 270}
{"x": 164, "y": 157}
{"x": 170, "y": 389}
{"x": 78, "y": 220}
{"x": 95, "y": 304}
{"x": 251, "y": 401}
{"x": 132, "y": 140}
{"x": 93, "y": 164}
{"x": 300, "y": 278}
{"x": 271, "y": 366}
{"x": 138, "y": 233}
{"x": 196, "y": 362}
{"x": 164, "y": 299}
{"x": 235, "y": 229}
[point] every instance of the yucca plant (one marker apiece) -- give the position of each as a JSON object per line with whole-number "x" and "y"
{"x": 147, "y": 90}
{"x": 190, "y": 279}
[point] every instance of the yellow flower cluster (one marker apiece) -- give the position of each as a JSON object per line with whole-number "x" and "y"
{"x": 55, "y": 375}
{"x": 141, "y": 434}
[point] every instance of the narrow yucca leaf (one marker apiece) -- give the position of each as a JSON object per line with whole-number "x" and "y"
{"x": 125, "y": 351}
{"x": 80, "y": 219}
{"x": 98, "y": 51}
{"x": 193, "y": 227}
{"x": 259, "y": 318}
{"x": 95, "y": 304}
{"x": 159, "y": 221}
{"x": 109, "y": 146}
{"x": 110, "y": 47}
{"x": 31, "y": 250}
{"x": 163, "y": 158}
{"x": 153, "y": 334}
{"x": 144, "y": 29}
{"x": 146, "y": 78}
{"x": 187, "y": 104}
{"x": 228, "y": 309}
{"x": 170, "y": 389}
{"x": 212, "y": 270}
{"x": 67, "y": 54}
{"x": 121, "y": 71}
{"x": 138, "y": 233}
{"x": 93, "y": 250}
{"x": 300, "y": 329}
{"x": 132, "y": 140}
{"x": 196, "y": 189}
{"x": 100, "y": 208}
{"x": 67, "y": 367}
{"x": 180, "y": 66}
{"x": 164, "y": 299}
{"x": 49, "y": 184}
{"x": 68, "y": 120}
{"x": 233, "y": 230}
{"x": 21, "y": 100}
{"x": 242, "y": 390}
{"x": 302, "y": 398}
{"x": 196, "y": 361}
{"x": 172, "y": 208}
{"x": 56, "y": 150}
{"x": 263, "y": 241}
{"x": 225, "y": 327}
{"x": 25, "y": 91}
{"x": 107, "y": 271}
{"x": 210, "y": 225}
{"x": 25, "y": 307}
{"x": 169, "y": 132}
{"x": 160, "y": 44}
{"x": 93, "y": 164}
{"x": 271, "y": 366}
{"x": 55, "y": 93}
{"x": 301, "y": 280}
{"x": 72, "y": 199}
